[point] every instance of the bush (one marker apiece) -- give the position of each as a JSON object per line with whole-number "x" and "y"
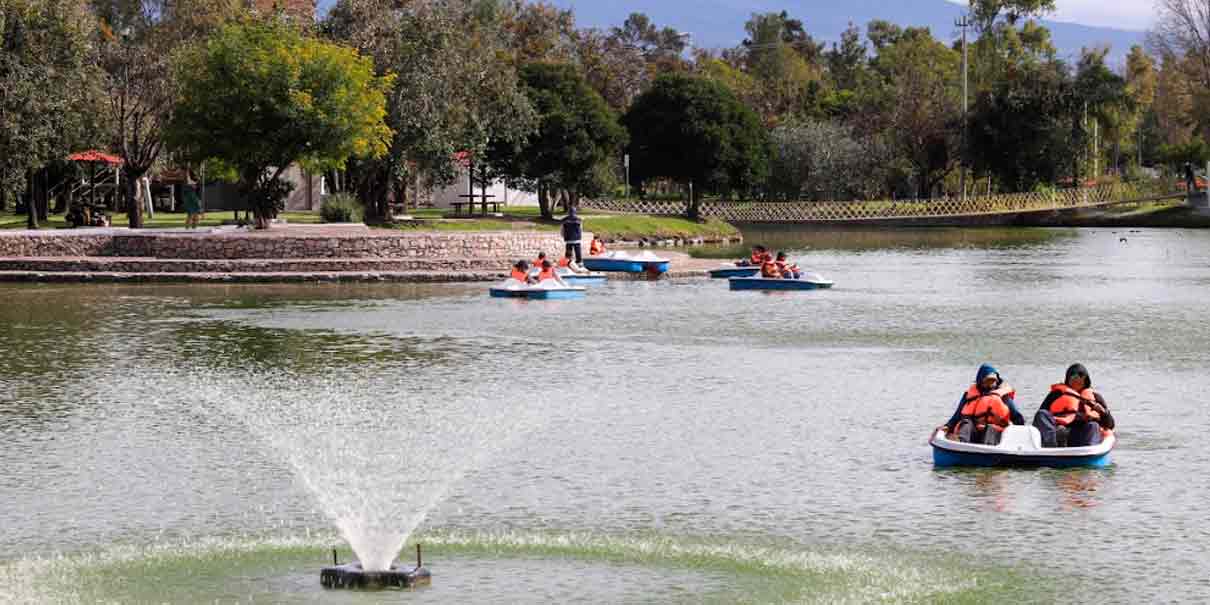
{"x": 341, "y": 208}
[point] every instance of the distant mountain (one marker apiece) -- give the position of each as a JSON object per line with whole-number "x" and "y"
{"x": 720, "y": 23}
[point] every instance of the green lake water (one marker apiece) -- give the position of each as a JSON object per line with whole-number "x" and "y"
{"x": 655, "y": 442}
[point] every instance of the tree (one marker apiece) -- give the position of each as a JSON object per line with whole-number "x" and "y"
{"x": 261, "y": 96}
{"x": 578, "y": 137}
{"x": 137, "y": 40}
{"x": 47, "y": 82}
{"x": 847, "y": 60}
{"x": 455, "y": 87}
{"x": 695, "y": 131}
{"x": 823, "y": 160}
{"x": 920, "y": 103}
{"x": 987, "y": 12}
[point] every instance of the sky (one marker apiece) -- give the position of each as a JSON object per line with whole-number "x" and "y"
{"x": 1134, "y": 15}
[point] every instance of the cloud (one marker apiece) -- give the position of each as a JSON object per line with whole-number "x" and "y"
{"x": 1119, "y": 14}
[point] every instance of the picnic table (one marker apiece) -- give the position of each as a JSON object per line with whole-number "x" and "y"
{"x": 469, "y": 204}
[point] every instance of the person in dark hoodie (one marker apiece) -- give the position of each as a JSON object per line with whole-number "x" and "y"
{"x": 1072, "y": 415}
{"x": 573, "y": 232}
{"x": 984, "y": 409}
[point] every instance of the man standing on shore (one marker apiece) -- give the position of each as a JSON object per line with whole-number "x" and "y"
{"x": 573, "y": 232}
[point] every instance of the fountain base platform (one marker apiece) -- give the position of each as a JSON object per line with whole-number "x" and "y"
{"x": 352, "y": 576}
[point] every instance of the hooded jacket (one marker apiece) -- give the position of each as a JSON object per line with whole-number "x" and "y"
{"x": 573, "y": 228}
{"x": 1106, "y": 420}
{"x": 986, "y": 370}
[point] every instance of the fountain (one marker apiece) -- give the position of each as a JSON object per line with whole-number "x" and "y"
{"x": 376, "y": 465}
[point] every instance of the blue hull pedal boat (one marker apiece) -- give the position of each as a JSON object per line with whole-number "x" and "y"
{"x": 572, "y": 278}
{"x": 1019, "y": 446}
{"x": 623, "y": 262}
{"x": 729, "y": 272}
{"x": 548, "y": 290}
{"x": 806, "y": 282}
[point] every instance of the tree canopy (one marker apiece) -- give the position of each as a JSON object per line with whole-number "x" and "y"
{"x": 695, "y": 131}
{"x": 262, "y": 96}
{"x": 578, "y": 138}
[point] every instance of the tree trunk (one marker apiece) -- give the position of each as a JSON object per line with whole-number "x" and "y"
{"x": 43, "y": 192}
{"x": 692, "y": 211}
{"x": 134, "y": 209}
{"x": 544, "y": 202}
{"x": 31, "y": 207}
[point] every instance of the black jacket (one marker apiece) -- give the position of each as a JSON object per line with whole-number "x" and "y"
{"x": 573, "y": 229}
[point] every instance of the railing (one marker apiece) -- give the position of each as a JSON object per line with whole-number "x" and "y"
{"x": 1104, "y": 195}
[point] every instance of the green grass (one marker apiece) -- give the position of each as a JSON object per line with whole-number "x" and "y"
{"x": 628, "y": 227}
{"x": 161, "y": 220}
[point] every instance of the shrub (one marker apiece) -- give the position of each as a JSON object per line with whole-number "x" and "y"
{"x": 340, "y": 208}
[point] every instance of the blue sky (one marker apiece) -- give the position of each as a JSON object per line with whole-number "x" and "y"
{"x": 1120, "y": 14}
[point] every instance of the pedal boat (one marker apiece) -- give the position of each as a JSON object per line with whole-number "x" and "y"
{"x": 1019, "y": 446}
{"x": 547, "y": 290}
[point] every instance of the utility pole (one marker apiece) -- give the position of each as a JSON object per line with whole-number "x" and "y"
{"x": 963, "y": 23}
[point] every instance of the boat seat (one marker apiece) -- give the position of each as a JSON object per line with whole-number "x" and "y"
{"x": 1016, "y": 437}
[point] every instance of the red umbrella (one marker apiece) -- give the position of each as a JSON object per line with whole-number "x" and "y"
{"x": 93, "y": 155}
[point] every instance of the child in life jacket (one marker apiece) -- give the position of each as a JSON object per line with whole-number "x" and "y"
{"x": 520, "y": 272}
{"x": 787, "y": 269}
{"x": 597, "y": 247}
{"x": 760, "y": 255}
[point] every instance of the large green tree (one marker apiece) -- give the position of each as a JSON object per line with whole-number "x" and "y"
{"x": 696, "y": 132}
{"x": 577, "y": 141}
{"x": 918, "y": 99}
{"x": 455, "y": 87}
{"x": 47, "y": 81}
{"x": 136, "y": 42}
{"x": 262, "y": 96}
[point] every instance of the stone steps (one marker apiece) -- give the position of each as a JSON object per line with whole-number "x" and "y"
{"x": 107, "y": 264}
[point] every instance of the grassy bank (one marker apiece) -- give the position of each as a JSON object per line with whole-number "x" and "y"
{"x": 161, "y": 220}
{"x": 608, "y": 227}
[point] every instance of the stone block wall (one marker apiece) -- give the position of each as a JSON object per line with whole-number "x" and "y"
{"x": 284, "y": 244}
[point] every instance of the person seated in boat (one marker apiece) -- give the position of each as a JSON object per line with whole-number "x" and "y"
{"x": 567, "y": 263}
{"x": 760, "y": 255}
{"x": 520, "y": 272}
{"x": 770, "y": 270}
{"x": 538, "y": 261}
{"x": 547, "y": 273}
{"x": 597, "y": 247}
{"x": 984, "y": 410}
{"x": 1073, "y": 415}
{"x": 788, "y": 270}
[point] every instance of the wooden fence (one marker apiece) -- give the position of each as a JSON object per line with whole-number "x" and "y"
{"x": 972, "y": 206}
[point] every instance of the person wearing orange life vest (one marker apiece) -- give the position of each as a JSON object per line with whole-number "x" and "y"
{"x": 597, "y": 247}
{"x": 985, "y": 409}
{"x": 1073, "y": 415}
{"x": 537, "y": 264}
{"x": 760, "y": 255}
{"x": 520, "y": 271}
{"x": 787, "y": 269}
{"x": 770, "y": 270}
{"x": 548, "y": 273}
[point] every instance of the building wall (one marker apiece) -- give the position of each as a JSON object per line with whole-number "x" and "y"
{"x": 445, "y": 197}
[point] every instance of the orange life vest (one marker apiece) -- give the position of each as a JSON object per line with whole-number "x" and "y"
{"x": 1071, "y": 405}
{"x": 546, "y": 273}
{"x": 564, "y": 262}
{"x": 988, "y": 409}
{"x": 596, "y": 247}
{"x": 519, "y": 275}
{"x": 770, "y": 269}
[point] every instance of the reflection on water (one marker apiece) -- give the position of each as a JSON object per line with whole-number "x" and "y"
{"x": 855, "y": 239}
{"x": 679, "y": 408}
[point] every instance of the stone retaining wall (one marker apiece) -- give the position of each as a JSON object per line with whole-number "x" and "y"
{"x": 281, "y": 244}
